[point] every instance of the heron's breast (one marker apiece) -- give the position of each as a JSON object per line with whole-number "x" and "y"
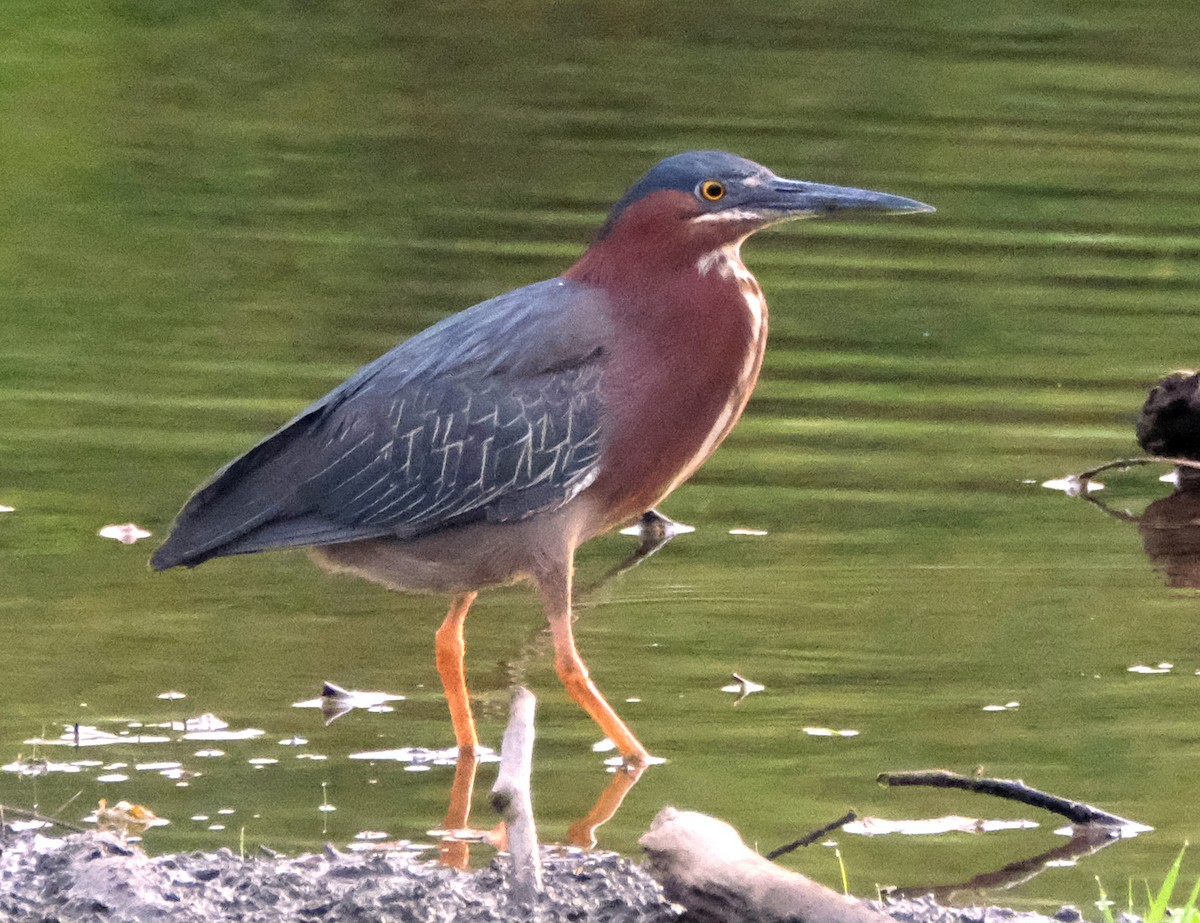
{"x": 679, "y": 379}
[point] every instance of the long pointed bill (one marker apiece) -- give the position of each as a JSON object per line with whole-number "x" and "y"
{"x": 781, "y": 199}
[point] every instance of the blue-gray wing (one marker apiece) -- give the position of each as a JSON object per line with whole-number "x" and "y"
{"x": 493, "y": 414}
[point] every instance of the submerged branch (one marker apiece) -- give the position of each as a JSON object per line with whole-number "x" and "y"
{"x": 1077, "y": 812}
{"x": 34, "y": 815}
{"x": 1084, "y": 476}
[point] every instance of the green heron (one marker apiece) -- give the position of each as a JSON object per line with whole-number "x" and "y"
{"x": 488, "y": 447}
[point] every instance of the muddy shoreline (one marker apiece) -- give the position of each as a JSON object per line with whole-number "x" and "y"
{"x": 96, "y": 876}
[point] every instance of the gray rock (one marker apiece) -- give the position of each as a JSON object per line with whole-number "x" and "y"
{"x": 96, "y": 878}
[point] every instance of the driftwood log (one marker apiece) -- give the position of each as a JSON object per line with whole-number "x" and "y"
{"x": 703, "y": 864}
{"x": 511, "y": 798}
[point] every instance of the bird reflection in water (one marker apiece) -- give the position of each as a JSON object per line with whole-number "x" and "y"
{"x": 457, "y": 835}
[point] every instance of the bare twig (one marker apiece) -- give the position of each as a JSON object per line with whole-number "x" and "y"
{"x": 34, "y": 815}
{"x": 1013, "y": 789}
{"x": 66, "y": 804}
{"x": 511, "y": 798}
{"x": 1084, "y": 476}
{"x": 810, "y": 838}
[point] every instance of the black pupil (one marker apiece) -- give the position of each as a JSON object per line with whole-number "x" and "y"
{"x": 713, "y": 190}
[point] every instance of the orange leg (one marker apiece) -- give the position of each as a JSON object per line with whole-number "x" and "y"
{"x": 556, "y": 596}
{"x": 455, "y": 852}
{"x": 450, "y": 649}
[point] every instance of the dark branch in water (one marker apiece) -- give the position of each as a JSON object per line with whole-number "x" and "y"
{"x": 34, "y": 815}
{"x": 1014, "y": 790}
{"x": 810, "y": 838}
{"x": 1084, "y": 476}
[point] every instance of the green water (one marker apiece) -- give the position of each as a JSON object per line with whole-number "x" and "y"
{"x": 212, "y": 213}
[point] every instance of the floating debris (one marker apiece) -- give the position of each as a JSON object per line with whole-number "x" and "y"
{"x": 36, "y": 766}
{"x": 124, "y": 817}
{"x": 1072, "y": 486}
{"x": 462, "y": 835}
{"x": 157, "y": 767}
{"x": 653, "y": 531}
{"x": 930, "y": 826}
{"x": 830, "y": 732}
{"x": 7, "y": 509}
{"x": 657, "y": 528}
{"x": 243, "y": 734}
{"x": 743, "y": 687}
{"x": 205, "y": 722}
{"x": 126, "y": 533}
{"x": 390, "y": 846}
{"x": 615, "y": 762}
{"x": 377, "y": 841}
{"x": 748, "y": 532}
{"x": 84, "y": 735}
{"x": 1161, "y": 668}
{"x": 336, "y": 701}
{"x": 1007, "y": 706}
{"x": 260, "y": 761}
{"x": 603, "y": 746}
{"x": 172, "y": 694}
{"x": 422, "y": 755}
{"x": 209, "y": 727}
{"x": 20, "y": 826}
{"x": 293, "y": 742}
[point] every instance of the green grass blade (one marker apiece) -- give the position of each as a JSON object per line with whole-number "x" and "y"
{"x": 1104, "y": 904}
{"x": 1189, "y": 914}
{"x": 1158, "y": 905}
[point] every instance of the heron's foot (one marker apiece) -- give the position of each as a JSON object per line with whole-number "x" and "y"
{"x": 635, "y": 762}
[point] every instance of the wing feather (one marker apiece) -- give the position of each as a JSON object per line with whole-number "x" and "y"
{"x": 495, "y": 413}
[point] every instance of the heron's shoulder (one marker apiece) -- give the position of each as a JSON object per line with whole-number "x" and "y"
{"x": 521, "y": 331}
{"x": 529, "y": 331}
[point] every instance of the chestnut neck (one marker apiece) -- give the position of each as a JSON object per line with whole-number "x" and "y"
{"x": 654, "y": 242}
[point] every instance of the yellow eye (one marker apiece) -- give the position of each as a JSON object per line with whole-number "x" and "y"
{"x": 712, "y": 190}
